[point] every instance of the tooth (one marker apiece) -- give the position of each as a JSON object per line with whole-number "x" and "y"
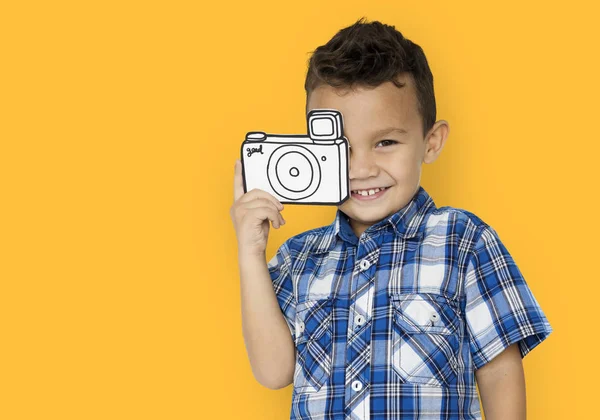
{"x": 371, "y": 192}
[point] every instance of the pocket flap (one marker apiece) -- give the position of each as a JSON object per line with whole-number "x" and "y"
{"x": 426, "y": 313}
{"x": 313, "y": 319}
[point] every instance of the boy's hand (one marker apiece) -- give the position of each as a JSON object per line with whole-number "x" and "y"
{"x": 251, "y": 213}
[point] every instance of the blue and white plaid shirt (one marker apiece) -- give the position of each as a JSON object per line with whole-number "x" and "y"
{"x": 393, "y": 326}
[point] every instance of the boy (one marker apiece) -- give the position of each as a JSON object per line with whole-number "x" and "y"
{"x": 398, "y": 308}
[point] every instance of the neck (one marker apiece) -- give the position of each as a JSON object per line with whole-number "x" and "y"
{"x": 358, "y": 228}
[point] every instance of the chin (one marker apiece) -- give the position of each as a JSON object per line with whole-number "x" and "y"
{"x": 365, "y": 215}
{"x": 368, "y": 214}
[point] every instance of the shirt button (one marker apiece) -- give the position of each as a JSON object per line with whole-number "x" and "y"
{"x": 359, "y": 320}
{"x": 301, "y": 326}
{"x": 434, "y": 316}
{"x": 364, "y": 265}
{"x": 357, "y": 385}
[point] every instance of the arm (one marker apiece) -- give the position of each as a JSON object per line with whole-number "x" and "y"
{"x": 269, "y": 345}
{"x": 501, "y": 383}
{"x": 500, "y": 306}
{"x": 267, "y": 337}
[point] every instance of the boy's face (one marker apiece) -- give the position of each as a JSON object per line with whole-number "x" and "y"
{"x": 387, "y": 146}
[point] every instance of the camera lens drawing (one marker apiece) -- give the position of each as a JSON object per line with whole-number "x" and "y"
{"x": 294, "y": 172}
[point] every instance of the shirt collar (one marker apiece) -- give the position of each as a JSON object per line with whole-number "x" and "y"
{"x": 406, "y": 223}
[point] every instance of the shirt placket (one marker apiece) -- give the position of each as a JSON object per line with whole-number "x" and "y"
{"x": 358, "y": 350}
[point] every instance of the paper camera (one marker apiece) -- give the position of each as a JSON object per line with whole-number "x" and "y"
{"x": 300, "y": 169}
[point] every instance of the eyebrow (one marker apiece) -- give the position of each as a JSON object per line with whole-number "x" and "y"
{"x": 388, "y": 130}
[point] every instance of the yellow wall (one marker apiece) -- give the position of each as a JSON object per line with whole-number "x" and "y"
{"x": 119, "y": 126}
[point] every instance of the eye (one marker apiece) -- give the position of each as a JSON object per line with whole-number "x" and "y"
{"x": 388, "y": 142}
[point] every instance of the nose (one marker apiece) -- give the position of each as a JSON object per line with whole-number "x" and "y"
{"x": 362, "y": 165}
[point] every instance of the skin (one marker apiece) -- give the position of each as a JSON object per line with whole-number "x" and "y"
{"x": 394, "y": 159}
{"x": 501, "y": 384}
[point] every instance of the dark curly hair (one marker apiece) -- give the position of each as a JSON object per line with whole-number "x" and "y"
{"x": 369, "y": 54}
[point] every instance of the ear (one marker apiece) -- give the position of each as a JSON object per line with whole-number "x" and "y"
{"x": 435, "y": 140}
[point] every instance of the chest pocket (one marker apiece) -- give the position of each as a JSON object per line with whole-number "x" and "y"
{"x": 425, "y": 338}
{"x": 313, "y": 344}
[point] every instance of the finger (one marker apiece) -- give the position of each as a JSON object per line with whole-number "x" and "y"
{"x": 272, "y": 213}
{"x": 258, "y": 193}
{"x": 263, "y": 213}
{"x": 260, "y": 202}
{"x": 238, "y": 181}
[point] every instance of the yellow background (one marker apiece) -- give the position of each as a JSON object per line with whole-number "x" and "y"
{"x": 120, "y": 123}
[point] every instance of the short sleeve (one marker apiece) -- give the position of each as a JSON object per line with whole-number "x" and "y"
{"x": 500, "y": 308}
{"x": 280, "y": 270}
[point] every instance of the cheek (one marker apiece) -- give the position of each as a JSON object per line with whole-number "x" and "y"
{"x": 400, "y": 167}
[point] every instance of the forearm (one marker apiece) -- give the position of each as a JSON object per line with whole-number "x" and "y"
{"x": 502, "y": 387}
{"x": 270, "y": 348}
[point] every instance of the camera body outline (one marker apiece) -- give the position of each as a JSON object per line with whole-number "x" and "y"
{"x": 307, "y": 168}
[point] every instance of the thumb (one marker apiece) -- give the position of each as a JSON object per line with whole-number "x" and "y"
{"x": 238, "y": 181}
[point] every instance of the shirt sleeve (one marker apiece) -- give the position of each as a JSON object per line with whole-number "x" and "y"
{"x": 281, "y": 277}
{"x": 500, "y": 308}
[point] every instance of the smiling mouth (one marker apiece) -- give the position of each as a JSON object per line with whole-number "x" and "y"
{"x": 369, "y": 192}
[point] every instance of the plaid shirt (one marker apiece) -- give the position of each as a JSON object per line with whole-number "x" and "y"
{"x": 394, "y": 324}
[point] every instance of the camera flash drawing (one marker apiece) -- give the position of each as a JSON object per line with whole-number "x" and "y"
{"x": 300, "y": 169}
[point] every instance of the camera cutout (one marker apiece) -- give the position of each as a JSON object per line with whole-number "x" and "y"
{"x": 300, "y": 169}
